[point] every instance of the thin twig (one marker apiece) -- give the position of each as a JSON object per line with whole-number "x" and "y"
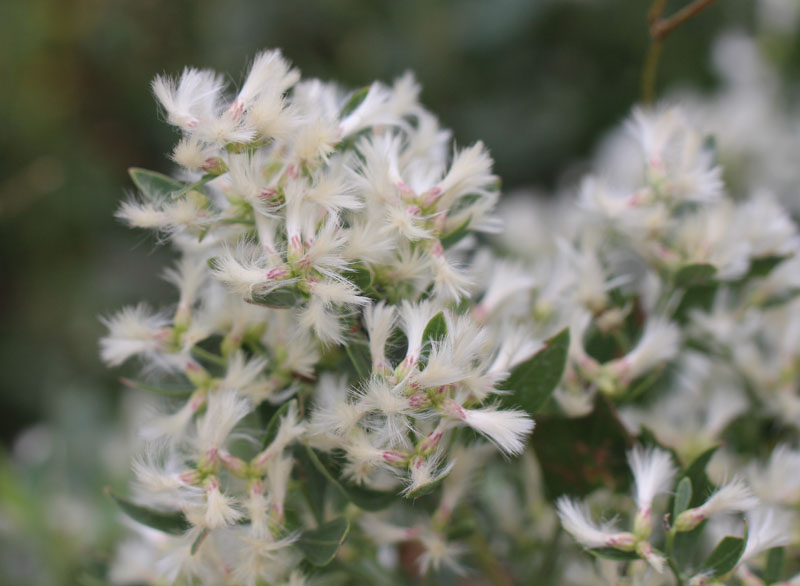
{"x": 662, "y": 27}
{"x": 659, "y": 29}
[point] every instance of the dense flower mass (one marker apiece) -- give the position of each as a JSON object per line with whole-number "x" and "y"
{"x": 308, "y": 220}
{"x": 355, "y": 336}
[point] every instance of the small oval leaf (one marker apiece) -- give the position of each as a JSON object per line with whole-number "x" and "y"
{"x": 173, "y": 522}
{"x": 695, "y": 274}
{"x": 280, "y": 298}
{"x": 364, "y": 498}
{"x": 456, "y": 234}
{"x": 609, "y": 553}
{"x": 533, "y": 381}
{"x": 319, "y": 545}
{"x": 683, "y": 496}
{"x": 154, "y": 185}
{"x": 274, "y": 424}
{"x": 725, "y": 556}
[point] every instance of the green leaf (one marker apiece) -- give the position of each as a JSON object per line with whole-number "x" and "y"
{"x": 359, "y": 355}
{"x": 313, "y": 482}
{"x": 533, "y": 381}
{"x": 364, "y": 498}
{"x": 725, "y": 556}
{"x": 173, "y": 522}
{"x": 154, "y": 185}
{"x": 141, "y": 386}
{"x": 696, "y": 274}
{"x": 275, "y": 423}
{"x": 683, "y": 495}
{"x": 354, "y": 101}
{"x": 774, "y": 567}
{"x": 763, "y": 265}
{"x": 436, "y": 329}
{"x": 319, "y": 545}
{"x": 199, "y": 541}
{"x": 696, "y": 472}
{"x": 609, "y": 553}
{"x": 579, "y": 455}
{"x": 456, "y": 234}
{"x": 280, "y": 298}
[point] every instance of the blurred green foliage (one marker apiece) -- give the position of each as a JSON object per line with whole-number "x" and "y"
{"x": 537, "y": 80}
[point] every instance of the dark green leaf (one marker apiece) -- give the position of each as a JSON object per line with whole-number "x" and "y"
{"x": 696, "y": 472}
{"x": 275, "y": 423}
{"x": 280, "y": 298}
{"x": 436, "y": 329}
{"x": 314, "y": 483}
{"x": 683, "y": 495}
{"x": 696, "y": 274}
{"x": 358, "y": 352}
{"x": 763, "y": 265}
{"x": 354, "y": 101}
{"x": 456, "y": 234}
{"x": 579, "y": 455}
{"x": 199, "y": 541}
{"x": 172, "y": 392}
{"x": 774, "y": 568}
{"x": 532, "y": 382}
{"x": 725, "y": 556}
{"x": 173, "y": 522}
{"x": 319, "y": 545}
{"x": 154, "y": 185}
{"x": 365, "y": 498}
{"x": 609, "y": 553}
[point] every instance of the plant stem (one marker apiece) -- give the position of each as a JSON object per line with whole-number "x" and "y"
{"x": 659, "y": 29}
{"x": 662, "y": 27}
{"x": 494, "y": 572}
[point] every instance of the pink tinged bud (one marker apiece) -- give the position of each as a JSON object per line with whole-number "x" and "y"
{"x": 403, "y": 188}
{"x": 277, "y": 273}
{"x": 621, "y": 541}
{"x": 296, "y": 245}
{"x": 192, "y": 477}
{"x": 480, "y": 313}
{"x": 431, "y": 196}
{"x": 236, "y": 466}
{"x": 257, "y": 487}
{"x": 197, "y": 401}
{"x": 690, "y": 519}
{"x": 395, "y": 458}
{"x": 236, "y": 109}
{"x": 418, "y": 400}
{"x": 413, "y": 210}
{"x": 437, "y": 249}
{"x": 456, "y": 410}
{"x": 431, "y": 441}
{"x": 268, "y": 194}
{"x": 292, "y": 172}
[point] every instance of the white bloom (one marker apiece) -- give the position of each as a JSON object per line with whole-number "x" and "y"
{"x": 191, "y": 99}
{"x": 576, "y": 521}
{"x": 653, "y": 472}
{"x": 132, "y": 331}
{"x": 224, "y": 410}
{"x": 506, "y": 428}
{"x": 732, "y": 496}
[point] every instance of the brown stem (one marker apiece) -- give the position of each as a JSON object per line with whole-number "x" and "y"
{"x": 660, "y": 28}
{"x": 650, "y": 70}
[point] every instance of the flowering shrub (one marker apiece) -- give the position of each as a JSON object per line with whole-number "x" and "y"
{"x": 359, "y": 332}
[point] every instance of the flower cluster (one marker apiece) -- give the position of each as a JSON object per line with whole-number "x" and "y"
{"x": 322, "y": 277}
{"x": 352, "y": 325}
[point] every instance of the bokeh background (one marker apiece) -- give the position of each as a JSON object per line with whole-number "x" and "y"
{"x": 539, "y": 81}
